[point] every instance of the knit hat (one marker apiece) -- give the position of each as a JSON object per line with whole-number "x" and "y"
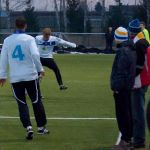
{"x": 121, "y": 34}
{"x": 134, "y": 26}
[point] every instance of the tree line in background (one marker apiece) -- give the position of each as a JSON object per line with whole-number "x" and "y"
{"x": 118, "y": 16}
{"x": 77, "y": 19}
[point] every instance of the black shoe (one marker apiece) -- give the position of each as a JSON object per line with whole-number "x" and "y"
{"x": 131, "y": 146}
{"x": 63, "y": 87}
{"x": 123, "y": 145}
{"x": 43, "y": 131}
{"x": 140, "y": 145}
{"x": 29, "y": 134}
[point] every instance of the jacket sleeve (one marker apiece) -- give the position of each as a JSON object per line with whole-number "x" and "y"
{"x": 35, "y": 55}
{"x": 132, "y": 69}
{"x": 4, "y": 61}
{"x": 140, "y": 48}
{"x": 65, "y": 43}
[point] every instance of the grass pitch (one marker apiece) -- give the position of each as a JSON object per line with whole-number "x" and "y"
{"x": 88, "y": 96}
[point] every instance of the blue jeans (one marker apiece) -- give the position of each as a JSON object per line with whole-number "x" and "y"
{"x": 138, "y": 112}
{"x": 148, "y": 115}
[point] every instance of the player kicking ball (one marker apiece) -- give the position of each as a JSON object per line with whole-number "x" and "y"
{"x": 20, "y": 54}
{"x": 46, "y": 44}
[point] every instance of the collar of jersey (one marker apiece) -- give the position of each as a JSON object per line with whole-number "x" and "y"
{"x": 19, "y": 32}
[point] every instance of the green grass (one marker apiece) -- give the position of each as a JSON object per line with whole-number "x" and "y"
{"x": 89, "y": 95}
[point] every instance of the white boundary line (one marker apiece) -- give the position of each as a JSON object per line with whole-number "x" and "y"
{"x": 60, "y": 118}
{"x": 63, "y": 118}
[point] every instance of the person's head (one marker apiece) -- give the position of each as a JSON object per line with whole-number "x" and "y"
{"x": 110, "y": 29}
{"x": 121, "y": 35}
{"x": 134, "y": 28}
{"x": 21, "y": 23}
{"x": 46, "y": 33}
{"x": 142, "y": 25}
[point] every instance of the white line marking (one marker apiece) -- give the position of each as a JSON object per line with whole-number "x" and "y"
{"x": 60, "y": 118}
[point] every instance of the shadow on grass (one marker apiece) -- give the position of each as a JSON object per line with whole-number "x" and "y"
{"x": 7, "y": 96}
{"x": 13, "y": 141}
{"x": 102, "y": 148}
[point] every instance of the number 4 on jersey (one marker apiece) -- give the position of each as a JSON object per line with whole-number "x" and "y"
{"x": 17, "y": 53}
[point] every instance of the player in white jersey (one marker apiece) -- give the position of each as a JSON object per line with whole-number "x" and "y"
{"x": 46, "y": 44}
{"x": 20, "y": 54}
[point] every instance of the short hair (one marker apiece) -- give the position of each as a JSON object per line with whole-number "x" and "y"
{"x": 142, "y": 22}
{"x": 20, "y": 22}
{"x": 47, "y": 30}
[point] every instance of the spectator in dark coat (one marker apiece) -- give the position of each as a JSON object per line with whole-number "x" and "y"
{"x": 122, "y": 81}
{"x": 142, "y": 81}
{"x": 109, "y": 36}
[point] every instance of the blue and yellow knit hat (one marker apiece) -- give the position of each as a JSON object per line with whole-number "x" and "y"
{"x": 134, "y": 26}
{"x": 121, "y": 34}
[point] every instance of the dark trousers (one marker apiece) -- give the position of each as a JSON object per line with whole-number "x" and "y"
{"x": 138, "y": 106}
{"x": 109, "y": 45}
{"x": 148, "y": 115}
{"x": 50, "y": 63}
{"x": 124, "y": 114}
{"x": 32, "y": 89}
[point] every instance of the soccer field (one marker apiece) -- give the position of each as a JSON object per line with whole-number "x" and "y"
{"x": 88, "y": 96}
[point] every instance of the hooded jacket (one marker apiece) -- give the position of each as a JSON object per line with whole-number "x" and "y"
{"x": 124, "y": 68}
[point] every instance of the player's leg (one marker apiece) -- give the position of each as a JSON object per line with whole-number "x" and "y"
{"x": 138, "y": 107}
{"x": 19, "y": 94}
{"x": 39, "y": 111}
{"x": 50, "y": 63}
{"x": 124, "y": 118}
{"x": 39, "y": 80}
{"x": 148, "y": 115}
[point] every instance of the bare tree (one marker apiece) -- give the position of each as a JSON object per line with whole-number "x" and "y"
{"x": 46, "y": 5}
{"x": 13, "y": 5}
{"x": 85, "y": 14}
{"x": 8, "y": 13}
{"x": 118, "y": 2}
{"x": 146, "y": 5}
{"x": 104, "y": 13}
{"x": 57, "y": 15}
{"x": 64, "y": 15}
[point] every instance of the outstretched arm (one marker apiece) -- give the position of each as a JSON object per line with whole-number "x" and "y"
{"x": 66, "y": 43}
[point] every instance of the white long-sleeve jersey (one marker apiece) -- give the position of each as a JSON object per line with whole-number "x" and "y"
{"x": 46, "y": 47}
{"x": 20, "y": 54}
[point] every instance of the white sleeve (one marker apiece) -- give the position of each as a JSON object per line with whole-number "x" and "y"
{"x": 65, "y": 43}
{"x": 4, "y": 61}
{"x": 36, "y": 39}
{"x": 35, "y": 55}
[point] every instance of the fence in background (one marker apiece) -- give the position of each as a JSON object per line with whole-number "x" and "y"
{"x": 94, "y": 40}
